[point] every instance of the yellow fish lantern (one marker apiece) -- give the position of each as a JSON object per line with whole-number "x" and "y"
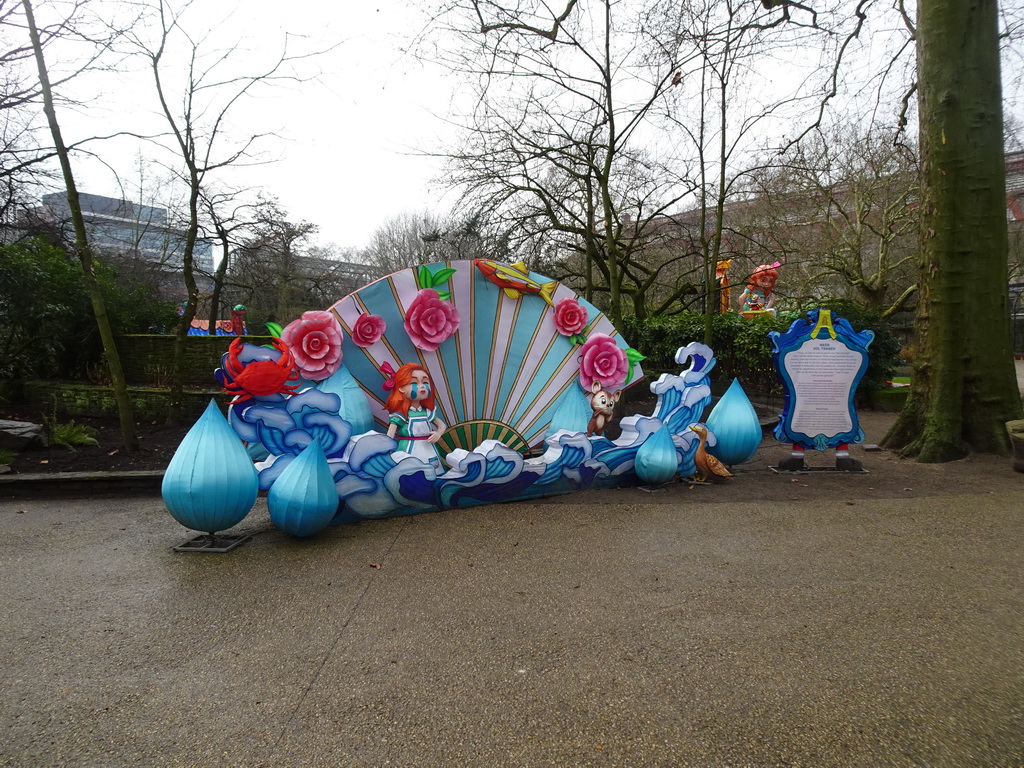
{"x": 515, "y": 279}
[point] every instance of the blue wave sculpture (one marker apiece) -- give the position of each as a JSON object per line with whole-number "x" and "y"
{"x": 373, "y": 480}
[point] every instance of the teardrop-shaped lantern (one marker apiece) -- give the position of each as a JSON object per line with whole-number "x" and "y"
{"x": 354, "y": 407}
{"x": 573, "y": 412}
{"x": 656, "y": 460}
{"x": 303, "y": 500}
{"x": 734, "y": 423}
{"x": 210, "y": 483}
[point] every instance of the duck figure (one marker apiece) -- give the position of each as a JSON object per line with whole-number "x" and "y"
{"x": 708, "y": 467}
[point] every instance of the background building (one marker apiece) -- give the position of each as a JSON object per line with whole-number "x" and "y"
{"x": 128, "y": 229}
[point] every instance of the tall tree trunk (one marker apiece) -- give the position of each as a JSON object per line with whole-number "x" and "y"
{"x": 218, "y": 281}
{"x": 964, "y": 387}
{"x": 711, "y": 291}
{"x": 82, "y": 247}
{"x": 176, "y": 412}
{"x": 591, "y": 253}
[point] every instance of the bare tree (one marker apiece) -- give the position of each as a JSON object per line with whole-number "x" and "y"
{"x": 842, "y": 210}
{"x": 277, "y": 273}
{"x": 404, "y": 240}
{"x": 197, "y": 86}
{"x": 554, "y": 144}
{"x": 83, "y": 250}
{"x": 728, "y": 100}
{"x": 409, "y": 239}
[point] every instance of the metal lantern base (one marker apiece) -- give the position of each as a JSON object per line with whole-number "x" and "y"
{"x": 817, "y": 470}
{"x": 214, "y": 543}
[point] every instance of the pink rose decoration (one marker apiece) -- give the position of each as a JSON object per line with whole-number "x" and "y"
{"x": 315, "y": 343}
{"x": 570, "y": 317}
{"x": 430, "y": 320}
{"x": 368, "y": 329}
{"x": 604, "y": 361}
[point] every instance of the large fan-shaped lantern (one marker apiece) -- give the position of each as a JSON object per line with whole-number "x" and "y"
{"x": 500, "y": 365}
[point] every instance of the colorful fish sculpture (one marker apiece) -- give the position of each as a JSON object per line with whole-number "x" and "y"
{"x": 515, "y": 279}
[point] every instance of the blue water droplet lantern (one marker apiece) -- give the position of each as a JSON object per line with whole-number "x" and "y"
{"x": 735, "y": 425}
{"x": 656, "y": 460}
{"x": 304, "y": 500}
{"x": 210, "y": 484}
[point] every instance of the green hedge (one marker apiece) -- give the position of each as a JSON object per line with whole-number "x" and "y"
{"x": 78, "y": 400}
{"x": 147, "y": 359}
{"x": 744, "y": 351}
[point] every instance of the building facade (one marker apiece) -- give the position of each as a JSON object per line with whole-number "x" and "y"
{"x": 129, "y": 229}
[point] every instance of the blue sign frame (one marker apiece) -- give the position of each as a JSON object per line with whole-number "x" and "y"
{"x": 818, "y": 324}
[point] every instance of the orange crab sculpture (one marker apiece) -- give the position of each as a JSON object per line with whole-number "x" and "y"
{"x": 259, "y": 378}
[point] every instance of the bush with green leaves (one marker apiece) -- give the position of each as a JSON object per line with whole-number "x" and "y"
{"x": 47, "y": 326}
{"x": 41, "y": 305}
{"x": 743, "y": 349}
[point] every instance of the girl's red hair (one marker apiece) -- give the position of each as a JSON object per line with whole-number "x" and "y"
{"x": 397, "y": 401}
{"x": 764, "y": 271}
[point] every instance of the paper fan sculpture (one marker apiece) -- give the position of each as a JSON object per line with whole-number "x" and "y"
{"x": 487, "y": 334}
{"x": 452, "y": 376}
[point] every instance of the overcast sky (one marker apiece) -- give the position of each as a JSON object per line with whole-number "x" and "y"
{"x": 352, "y": 154}
{"x": 348, "y": 150}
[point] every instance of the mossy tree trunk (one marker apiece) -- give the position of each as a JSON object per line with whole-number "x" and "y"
{"x": 964, "y": 387}
{"x": 83, "y": 249}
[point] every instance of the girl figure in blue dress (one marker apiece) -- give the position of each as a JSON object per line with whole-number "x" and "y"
{"x": 414, "y": 421}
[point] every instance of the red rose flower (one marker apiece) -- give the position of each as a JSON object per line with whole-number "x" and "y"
{"x": 430, "y": 320}
{"x": 603, "y": 360}
{"x": 315, "y": 342}
{"x": 368, "y": 329}
{"x": 570, "y": 317}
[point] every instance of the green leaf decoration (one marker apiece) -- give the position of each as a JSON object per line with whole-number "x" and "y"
{"x": 440, "y": 277}
{"x": 634, "y": 357}
{"x": 427, "y": 279}
{"x": 423, "y": 278}
{"x": 578, "y": 338}
{"x": 274, "y": 329}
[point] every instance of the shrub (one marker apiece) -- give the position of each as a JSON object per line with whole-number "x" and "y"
{"x": 743, "y": 349}
{"x": 69, "y": 434}
{"x": 47, "y": 326}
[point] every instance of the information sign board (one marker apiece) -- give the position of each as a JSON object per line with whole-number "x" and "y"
{"x": 820, "y": 361}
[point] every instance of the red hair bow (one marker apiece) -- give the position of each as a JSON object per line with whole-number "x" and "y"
{"x": 389, "y": 376}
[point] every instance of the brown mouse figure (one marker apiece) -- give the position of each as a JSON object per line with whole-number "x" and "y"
{"x": 602, "y": 402}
